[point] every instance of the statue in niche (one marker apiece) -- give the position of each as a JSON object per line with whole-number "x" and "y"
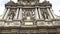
{"x": 45, "y": 15}
{"x": 11, "y": 15}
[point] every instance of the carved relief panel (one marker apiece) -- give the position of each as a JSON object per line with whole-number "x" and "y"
{"x": 11, "y": 14}
{"x": 28, "y": 13}
{"x": 44, "y": 23}
{"x": 27, "y": 2}
{"x": 44, "y": 13}
{"x": 10, "y": 23}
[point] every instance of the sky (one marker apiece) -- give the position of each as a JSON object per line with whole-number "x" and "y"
{"x": 55, "y": 6}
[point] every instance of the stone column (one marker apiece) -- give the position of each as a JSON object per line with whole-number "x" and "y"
{"x": 20, "y": 14}
{"x": 16, "y": 15}
{"x": 51, "y": 17}
{"x": 36, "y": 14}
{"x": 5, "y": 17}
{"x": 40, "y": 15}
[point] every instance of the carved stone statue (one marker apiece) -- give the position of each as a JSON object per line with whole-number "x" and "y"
{"x": 45, "y": 15}
{"x": 11, "y": 15}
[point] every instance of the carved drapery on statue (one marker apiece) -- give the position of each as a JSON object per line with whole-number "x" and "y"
{"x": 11, "y": 15}
{"x": 45, "y": 13}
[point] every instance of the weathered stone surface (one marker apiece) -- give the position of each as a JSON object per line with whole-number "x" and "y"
{"x": 29, "y": 17}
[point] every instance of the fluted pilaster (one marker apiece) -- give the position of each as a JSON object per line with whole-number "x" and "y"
{"x": 40, "y": 15}
{"x": 36, "y": 14}
{"x": 16, "y": 15}
{"x": 5, "y": 17}
{"x": 20, "y": 14}
{"x": 51, "y": 17}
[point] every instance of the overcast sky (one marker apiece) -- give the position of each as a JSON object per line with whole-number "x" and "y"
{"x": 55, "y": 6}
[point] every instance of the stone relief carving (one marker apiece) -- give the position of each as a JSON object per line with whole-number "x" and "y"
{"x": 45, "y": 15}
{"x": 11, "y": 15}
{"x": 27, "y": 2}
{"x": 28, "y": 13}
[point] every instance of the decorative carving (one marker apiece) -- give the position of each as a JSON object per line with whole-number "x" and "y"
{"x": 29, "y": 2}
{"x": 45, "y": 15}
{"x": 28, "y": 13}
{"x": 11, "y": 15}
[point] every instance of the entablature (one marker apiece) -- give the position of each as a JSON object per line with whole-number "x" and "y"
{"x": 34, "y": 23}
{"x": 28, "y": 6}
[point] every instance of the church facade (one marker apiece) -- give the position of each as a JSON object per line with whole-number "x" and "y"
{"x": 29, "y": 17}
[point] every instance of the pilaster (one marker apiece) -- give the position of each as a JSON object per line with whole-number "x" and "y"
{"x": 20, "y": 14}
{"x": 36, "y": 14}
{"x": 40, "y": 15}
{"x": 16, "y": 15}
{"x": 51, "y": 17}
{"x": 5, "y": 17}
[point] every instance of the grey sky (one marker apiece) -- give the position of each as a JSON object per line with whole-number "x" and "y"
{"x": 55, "y": 5}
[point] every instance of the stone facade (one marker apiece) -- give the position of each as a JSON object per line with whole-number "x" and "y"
{"x": 29, "y": 17}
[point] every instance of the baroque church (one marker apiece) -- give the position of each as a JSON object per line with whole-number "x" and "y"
{"x": 29, "y": 17}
